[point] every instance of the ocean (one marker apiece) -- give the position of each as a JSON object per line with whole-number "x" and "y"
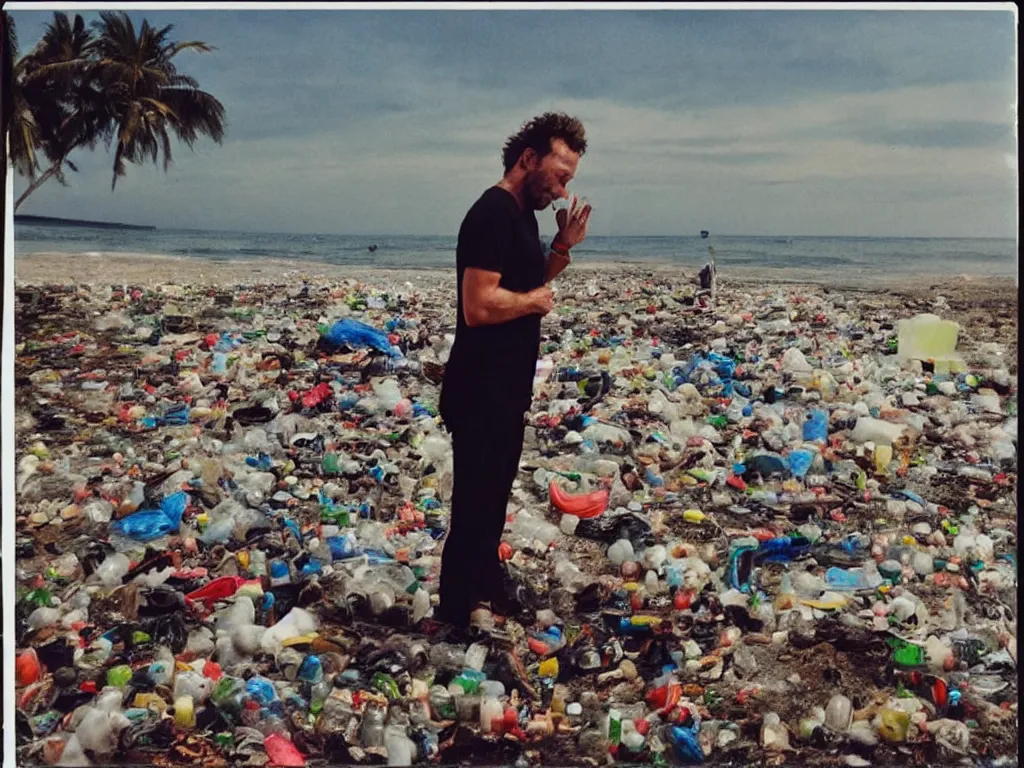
{"x": 875, "y": 255}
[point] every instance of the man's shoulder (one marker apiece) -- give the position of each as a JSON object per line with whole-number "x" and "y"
{"x": 495, "y": 202}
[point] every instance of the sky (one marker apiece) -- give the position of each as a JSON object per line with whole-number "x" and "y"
{"x": 746, "y": 122}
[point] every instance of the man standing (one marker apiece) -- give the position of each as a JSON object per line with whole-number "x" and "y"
{"x": 503, "y": 274}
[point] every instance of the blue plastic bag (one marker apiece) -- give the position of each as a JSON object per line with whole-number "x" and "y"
{"x": 910, "y": 495}
{"x": 176, "y": 415}
{"x": 843, "y": 580}
{"x": 261, "y": 689}
{"x": 149, "y": 524}
{"x": 343, "y": 547}
{"x": 799, "y": 462}
{"x": 782, "y": 549}
{"x": 723, "y": 368}
{"x": 816, "y": 426}
{"x": 686, "y": 743}
{"x": 352, "y": 333}
{"x": 738, "y": 570}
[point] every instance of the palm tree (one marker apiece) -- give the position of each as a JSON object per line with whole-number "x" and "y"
{"x": 17, "y": 115}
{"x": 147, "y": 97}
{"x": 58, "y": 104}
{"x": 76, "y": 88}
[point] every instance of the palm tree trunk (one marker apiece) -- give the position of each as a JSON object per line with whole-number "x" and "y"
{"x": 35, "y": 185}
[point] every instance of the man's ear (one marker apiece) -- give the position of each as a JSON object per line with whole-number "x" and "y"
{"x": 527, "y": 159}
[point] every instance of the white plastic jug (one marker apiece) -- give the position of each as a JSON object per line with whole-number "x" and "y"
{"x": 928, "y": 337}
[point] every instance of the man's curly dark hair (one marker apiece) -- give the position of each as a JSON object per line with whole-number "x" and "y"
{"x": 538, "y": 133}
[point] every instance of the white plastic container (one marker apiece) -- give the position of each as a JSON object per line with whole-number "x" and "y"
{"x": 928, "y": 337}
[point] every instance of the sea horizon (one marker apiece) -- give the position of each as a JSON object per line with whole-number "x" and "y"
{"x": 792, "y": 236}
{"x": 986, "y": 257}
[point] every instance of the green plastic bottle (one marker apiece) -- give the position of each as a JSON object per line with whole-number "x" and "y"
{"x": 387, "y": 685}
{"x": 330, "y": 464}
{"x": 119, "y": 676}
{"x": 907, "y": 655}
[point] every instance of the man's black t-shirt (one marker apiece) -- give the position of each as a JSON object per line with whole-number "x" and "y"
{"x": 492, "y": 366}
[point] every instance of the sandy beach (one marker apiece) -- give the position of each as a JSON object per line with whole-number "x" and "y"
{"x": 149, "y": 270}
{"x": 986, "y": 306}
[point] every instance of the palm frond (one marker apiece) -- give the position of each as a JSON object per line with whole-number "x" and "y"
{"x": 119, "y": 169}
{"x": 182, "y": 81}
{"x": 199, "y": 113}
{"x": 192, "y": 45}
{"x": 166, "y": 140}
{"x": 10, "y": 36}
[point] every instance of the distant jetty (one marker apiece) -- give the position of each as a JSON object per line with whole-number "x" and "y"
{"x": 50, "y": 221}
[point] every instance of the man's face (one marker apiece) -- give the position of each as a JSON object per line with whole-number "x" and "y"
{"x": 547, "y": 177}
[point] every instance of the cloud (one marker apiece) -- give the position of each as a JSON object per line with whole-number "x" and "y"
{"x": 745, "y": 121}
{"x": 953, "y": 134}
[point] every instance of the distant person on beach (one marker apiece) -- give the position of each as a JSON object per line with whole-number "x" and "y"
{"x": 503, "y": 274}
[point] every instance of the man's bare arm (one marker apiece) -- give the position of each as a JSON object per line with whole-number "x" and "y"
{"x": 556, "y": 264}
{"x": 484, "y": 302}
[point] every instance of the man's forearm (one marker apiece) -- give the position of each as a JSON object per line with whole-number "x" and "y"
{"x": 500, "y": 306}
{"x": 556, "y": 264}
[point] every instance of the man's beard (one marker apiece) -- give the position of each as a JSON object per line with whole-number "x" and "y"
{"x": 534, "y": 195}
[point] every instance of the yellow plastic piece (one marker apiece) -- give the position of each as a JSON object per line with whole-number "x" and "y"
{"x": 549, "y": 668}
{"x": 894, "y": 725}
{"x": 149, "y": 701}
{"x": 694, "y": 516}
{"x": 825, "y": 605}
{"x": 184, "y": 712}
{"x": 883, "y": 457}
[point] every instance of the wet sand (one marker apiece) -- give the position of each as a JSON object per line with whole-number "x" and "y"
{"x": 149, "y": 270}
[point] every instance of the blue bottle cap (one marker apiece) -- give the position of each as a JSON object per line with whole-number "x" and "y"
{"x": 278, "y": 569}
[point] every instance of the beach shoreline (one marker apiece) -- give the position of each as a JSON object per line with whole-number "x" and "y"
{"x": 154, "y": 269}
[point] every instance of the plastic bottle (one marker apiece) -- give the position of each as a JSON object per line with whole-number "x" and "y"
{"x": 99, "y": 729}
{"x": 420, "y": 605}
{"x": 620, "y": 552}
{"x": 869, "y": 430}
{"x": 490, "y": 710}
{"x": 372, "y": 729}
{"x": 112, "y": 571}
{"x": 442, "y": 704}
{"x": 839, "y": 713}
{"x": 400, "y": 748}
{"x": 476, "y": 656}
{"x": 193, "y": 685}
{"x": 614, "y": 727}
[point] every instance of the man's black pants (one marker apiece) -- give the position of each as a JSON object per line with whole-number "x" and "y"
{"x": 486, "y": 455}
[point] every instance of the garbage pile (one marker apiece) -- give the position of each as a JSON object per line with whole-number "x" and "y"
{"x": 777, "y": 527}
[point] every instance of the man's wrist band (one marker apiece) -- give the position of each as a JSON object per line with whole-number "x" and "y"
{"x": 559, "y": 248}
